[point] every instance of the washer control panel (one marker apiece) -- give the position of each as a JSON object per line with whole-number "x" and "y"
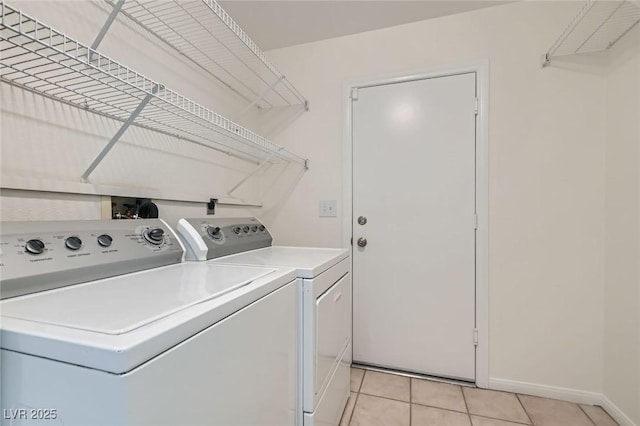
{"x": 38, "y": 256}
{"x": 207, "y": 238}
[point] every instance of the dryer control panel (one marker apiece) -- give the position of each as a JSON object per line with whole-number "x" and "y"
{"x": 38, "y": 256}
{"x": 208, "y": 238}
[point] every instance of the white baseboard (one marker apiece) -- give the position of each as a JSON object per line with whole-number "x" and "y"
{"x": 617, "y": 414}
{"x": 564, "y": 394}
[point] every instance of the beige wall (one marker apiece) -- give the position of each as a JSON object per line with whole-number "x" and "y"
{"x": 622, "y": 226}
{"x": 546, "y": 172}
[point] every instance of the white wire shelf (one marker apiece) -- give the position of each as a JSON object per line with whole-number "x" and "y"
{"x": 598, "y": 26}
{"x": 39, "y": 58}
{"x": 205, "y": 34}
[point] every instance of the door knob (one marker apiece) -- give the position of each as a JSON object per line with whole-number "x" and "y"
{"x": 362, "y": 242}
{"x": 362, "y": 220}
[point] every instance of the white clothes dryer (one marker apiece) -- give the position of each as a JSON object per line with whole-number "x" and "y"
{"x": 324, "y": 296}
{"x": 102, "y": 325}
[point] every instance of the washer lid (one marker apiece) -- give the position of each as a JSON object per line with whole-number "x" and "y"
{"x": 119, "y": 305}
{"x": 308, "y": 261}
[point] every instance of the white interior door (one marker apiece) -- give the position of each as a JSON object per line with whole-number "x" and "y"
{"x": 414, "y": 182}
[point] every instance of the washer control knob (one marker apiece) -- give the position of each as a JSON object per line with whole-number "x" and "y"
{"x": 73, "y": 243}
{"x": 245, "y": 229}
{"x": 154, "y": 236}
{"x": 34, "y": 247}
{"x": 214, "y": 232}
{"x": 261, "y": 228}
{"x": 105, "y": 240}
{"x": 254, "y": 228}
{"x": 236, "y": 229}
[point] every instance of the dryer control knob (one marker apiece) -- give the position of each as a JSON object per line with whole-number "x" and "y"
{"x": 105, "y": 240}
{"x": 154, "y": 236}
{"x": 73, "y": 243}
{"x": 261, "y": 227}
{"x": 236, "y": 230}
{"x": 245, "y": 229}
{"x": 34, "y": 247}
{"x": 254, "y": 228}
{"x": 214, "y": 232}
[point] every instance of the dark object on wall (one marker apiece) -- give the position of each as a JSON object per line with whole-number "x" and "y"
{"x": 133, "y": 208}
{"x": 211, "y": 205}
{"x": 148, "y": 210}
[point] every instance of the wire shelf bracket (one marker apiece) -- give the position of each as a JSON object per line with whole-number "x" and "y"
{"x": 119, "y": 133}
{"x": 105, "y": 28}
{"x": 598, "y": 26}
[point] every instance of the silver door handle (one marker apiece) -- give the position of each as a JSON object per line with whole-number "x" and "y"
{"x": 362, "y": 242}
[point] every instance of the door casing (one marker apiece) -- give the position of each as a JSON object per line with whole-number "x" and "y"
{"x": 481, "y": 68}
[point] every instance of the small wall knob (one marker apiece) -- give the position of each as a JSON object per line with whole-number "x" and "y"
{"x": 362, "y": 242}
{"x": 362, "y": 220}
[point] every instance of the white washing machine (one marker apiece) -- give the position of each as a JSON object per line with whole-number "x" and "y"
{"x": 324, "y": 291}
{"x": 158, "y": 342}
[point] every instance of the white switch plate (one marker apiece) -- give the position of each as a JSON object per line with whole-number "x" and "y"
{"x": 328, "y": 208}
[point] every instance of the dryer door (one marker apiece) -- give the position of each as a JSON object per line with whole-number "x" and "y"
{"x": 333, "y": 330}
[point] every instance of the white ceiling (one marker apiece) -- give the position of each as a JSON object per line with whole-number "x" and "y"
{"x": 274, "y": 23}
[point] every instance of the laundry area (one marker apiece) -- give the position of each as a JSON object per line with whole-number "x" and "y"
{"x": 320, "y": 213}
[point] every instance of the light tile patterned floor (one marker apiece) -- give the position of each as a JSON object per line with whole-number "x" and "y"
{"x": 381, "y": 399}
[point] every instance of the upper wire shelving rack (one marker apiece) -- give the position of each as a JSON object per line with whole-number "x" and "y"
{"x": 598, "y": 26}
{"x": 36, "y": 57}
{"x": 205, "y": 34}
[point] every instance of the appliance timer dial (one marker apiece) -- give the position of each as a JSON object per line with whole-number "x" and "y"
{"x": 154, "y": 236}
{"x": 34, "y": 246}
{"x": 73, "y": 243}
{"x": 105, "y": 240}
{"x": 214, "y": 232}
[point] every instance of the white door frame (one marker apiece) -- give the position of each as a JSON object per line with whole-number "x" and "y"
{"x": 481, "y": 68}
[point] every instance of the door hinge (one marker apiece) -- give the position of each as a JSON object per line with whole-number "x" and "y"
{"x": 476, "y": 106}
{"x": 475, "y": 337}
{"x": 475, "y": 221}
{"x": 354, "y": 93}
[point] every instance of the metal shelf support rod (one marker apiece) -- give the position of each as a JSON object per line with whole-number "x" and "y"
{"x": 252, "y": 173}
{"x": 107, "y": 24}
{"x": 258, "y": 99}
{"x": 119, "y": 133}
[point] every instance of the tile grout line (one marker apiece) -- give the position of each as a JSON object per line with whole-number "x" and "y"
{"x": 502, "y": 420}
{"x": 464, "y": 399}
{"x": 357, "y": 397}
{"x": 410, "y": 401}
{"x": 586, "y": 414}
{"x": 454, "y": 411}
{"x": 524, "y": 408}
{"x": 393, "y": 399}
{"x": 354, "y": 408}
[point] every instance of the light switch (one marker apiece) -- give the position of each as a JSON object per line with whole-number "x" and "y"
{"x": 328, "y": 208}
